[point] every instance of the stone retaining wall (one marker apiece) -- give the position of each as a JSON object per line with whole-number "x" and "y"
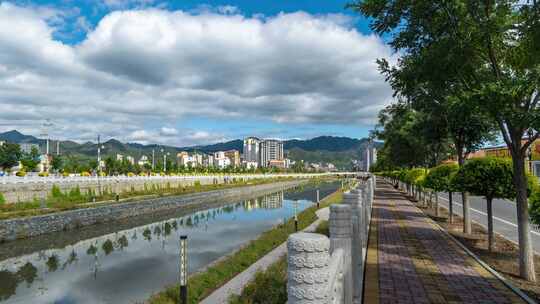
{"x": 38, "y": 225}
{"x": 25, "y": 192}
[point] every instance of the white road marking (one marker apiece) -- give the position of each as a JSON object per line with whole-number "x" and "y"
{"x": 495, "y": 218}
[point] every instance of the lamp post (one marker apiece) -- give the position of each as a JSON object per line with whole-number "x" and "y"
{"x": 318, "y": 199}
{"x": 183, "y": 269}
{"x": 295, "y": 215}
{"x": 99, "y": 147}
{"x": 165, "y": 160}
{"x": 163, "y": 167}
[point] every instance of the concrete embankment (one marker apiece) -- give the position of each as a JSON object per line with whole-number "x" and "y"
{"x": 38, "y": 225}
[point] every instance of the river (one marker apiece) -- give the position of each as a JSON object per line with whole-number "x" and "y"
{"x": 126, "y": 262}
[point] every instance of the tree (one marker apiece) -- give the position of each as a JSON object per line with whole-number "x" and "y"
{"x": 411, "y": 138}
{"x": 30, "y": 160}
{"x": 489, "y": 177}
{"x": 440, "y": 179}
{"x": 10, "y": 154}
{"x": 494, "y": 52}
{"x": 57, "y": 163}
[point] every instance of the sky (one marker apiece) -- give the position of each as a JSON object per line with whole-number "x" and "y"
{"x": 189, "y": 72}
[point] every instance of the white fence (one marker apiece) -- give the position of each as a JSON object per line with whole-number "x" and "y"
{"x": 323, "y": 270}
{"x": 81, "y": 179}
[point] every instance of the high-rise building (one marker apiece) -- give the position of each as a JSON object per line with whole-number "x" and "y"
{"x": 370, "y": 158}
{"x": 271, "y": 149}
{"x": 252, "y": 150}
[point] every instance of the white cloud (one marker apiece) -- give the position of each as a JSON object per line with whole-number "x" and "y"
{"x": 143, "y": 70}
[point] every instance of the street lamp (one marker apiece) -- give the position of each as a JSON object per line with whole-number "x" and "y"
{"x": 295, "y": 215}
{"x": 165, "y": 160}
{"x": 183, "y": 269}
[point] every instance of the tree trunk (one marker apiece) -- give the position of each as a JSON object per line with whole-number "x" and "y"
{"x": 450, "y": 208}
{"x": 436, "y": 204}
{"x": 490, "y": 222}
{"x": 465, "y": 199}
{"x": 526, "y": 261}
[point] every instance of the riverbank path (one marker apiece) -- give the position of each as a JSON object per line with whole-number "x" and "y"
{"x": 411, "y": 260}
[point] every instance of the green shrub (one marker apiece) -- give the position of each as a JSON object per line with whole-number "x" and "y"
{"x": 440, "y": 177}
{"x": 489, "y": 177}
{"x": 56, "y": 192}
{"x": 75, "y": 194}
{"x": 2, "y": 199}
{"x": 534, "y": 207}
{"x": 269, "y": 287}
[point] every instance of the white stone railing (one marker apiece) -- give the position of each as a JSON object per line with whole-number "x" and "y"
{"x": 331, "y": 270}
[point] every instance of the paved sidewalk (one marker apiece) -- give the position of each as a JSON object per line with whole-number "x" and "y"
{"x": 236, "y": 284}
{"x": 410, "y": 260}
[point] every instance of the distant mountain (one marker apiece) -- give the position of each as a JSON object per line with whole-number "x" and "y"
{"x": 17, "y": 137}
{"x": 236, "y": 144}
{"x": 326, "y": 143}
{"x": 337, "y": 150}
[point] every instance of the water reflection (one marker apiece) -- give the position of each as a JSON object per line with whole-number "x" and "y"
{"x": 128, "y": 265}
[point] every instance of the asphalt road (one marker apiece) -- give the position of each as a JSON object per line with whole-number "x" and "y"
{"x": 504, "y": 216}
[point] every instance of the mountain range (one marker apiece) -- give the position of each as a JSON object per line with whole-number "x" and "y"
{"x": 337, "y": 150}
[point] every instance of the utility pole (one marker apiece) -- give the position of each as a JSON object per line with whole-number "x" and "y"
{"x": 153, "y": 162}
{"x": 99, "y": 154}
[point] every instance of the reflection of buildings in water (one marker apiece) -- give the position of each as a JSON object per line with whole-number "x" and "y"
{"x": 273, "y": 201}
{"x": 270, "y": 201}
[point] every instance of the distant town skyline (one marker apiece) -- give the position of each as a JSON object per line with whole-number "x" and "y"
{"x": 190, "y": 73}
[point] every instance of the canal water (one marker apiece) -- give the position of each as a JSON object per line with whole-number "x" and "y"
{"x": 127, "y": 262}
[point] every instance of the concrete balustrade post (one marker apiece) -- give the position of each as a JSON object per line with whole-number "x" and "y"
{"x": 307, "y": 272}
{"x": 341, "y": 238}
{"x": 354, "y": 199}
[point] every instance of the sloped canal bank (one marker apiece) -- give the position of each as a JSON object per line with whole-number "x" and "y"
{"x": 127, "y": 264}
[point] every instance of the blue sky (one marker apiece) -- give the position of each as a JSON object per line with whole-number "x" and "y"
{"x": 189, "y": 72}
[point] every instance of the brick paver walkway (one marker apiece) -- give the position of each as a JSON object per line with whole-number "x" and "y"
{"x": 410, "y": 260}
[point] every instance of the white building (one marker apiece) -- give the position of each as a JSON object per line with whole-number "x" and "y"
{"x": 221, "y": 160}
{"x": 143, "y": 160}
{"x": 119, "y": 157}
{"x": 130, "y": 159}
{"x": 251, "y": 151}
{"x": 251, "y": 164}
{"x": 271, "y": 149}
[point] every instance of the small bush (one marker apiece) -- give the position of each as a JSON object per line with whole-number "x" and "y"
{"x": 43, "y": 174}
{"x": 84, "y": 173}
{"x": 534, "y": 207}
{"x": 65, "y": 174}
{"x": 269, "y": 287}
{"x": 75, "y": 194}
{"x": 2, "y": 199}
{"x": 21, "y": 173}
{"x": 56, "y": 192}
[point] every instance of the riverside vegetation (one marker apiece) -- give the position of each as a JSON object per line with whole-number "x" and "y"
{"x": 270, "y": 286}
{"x": 202, "y": 284}
{"x": 75, "y": 199}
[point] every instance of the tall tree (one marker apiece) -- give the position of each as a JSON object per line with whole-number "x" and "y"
{"x": 10, "y": 154}
{"x": 494, "y": 48}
